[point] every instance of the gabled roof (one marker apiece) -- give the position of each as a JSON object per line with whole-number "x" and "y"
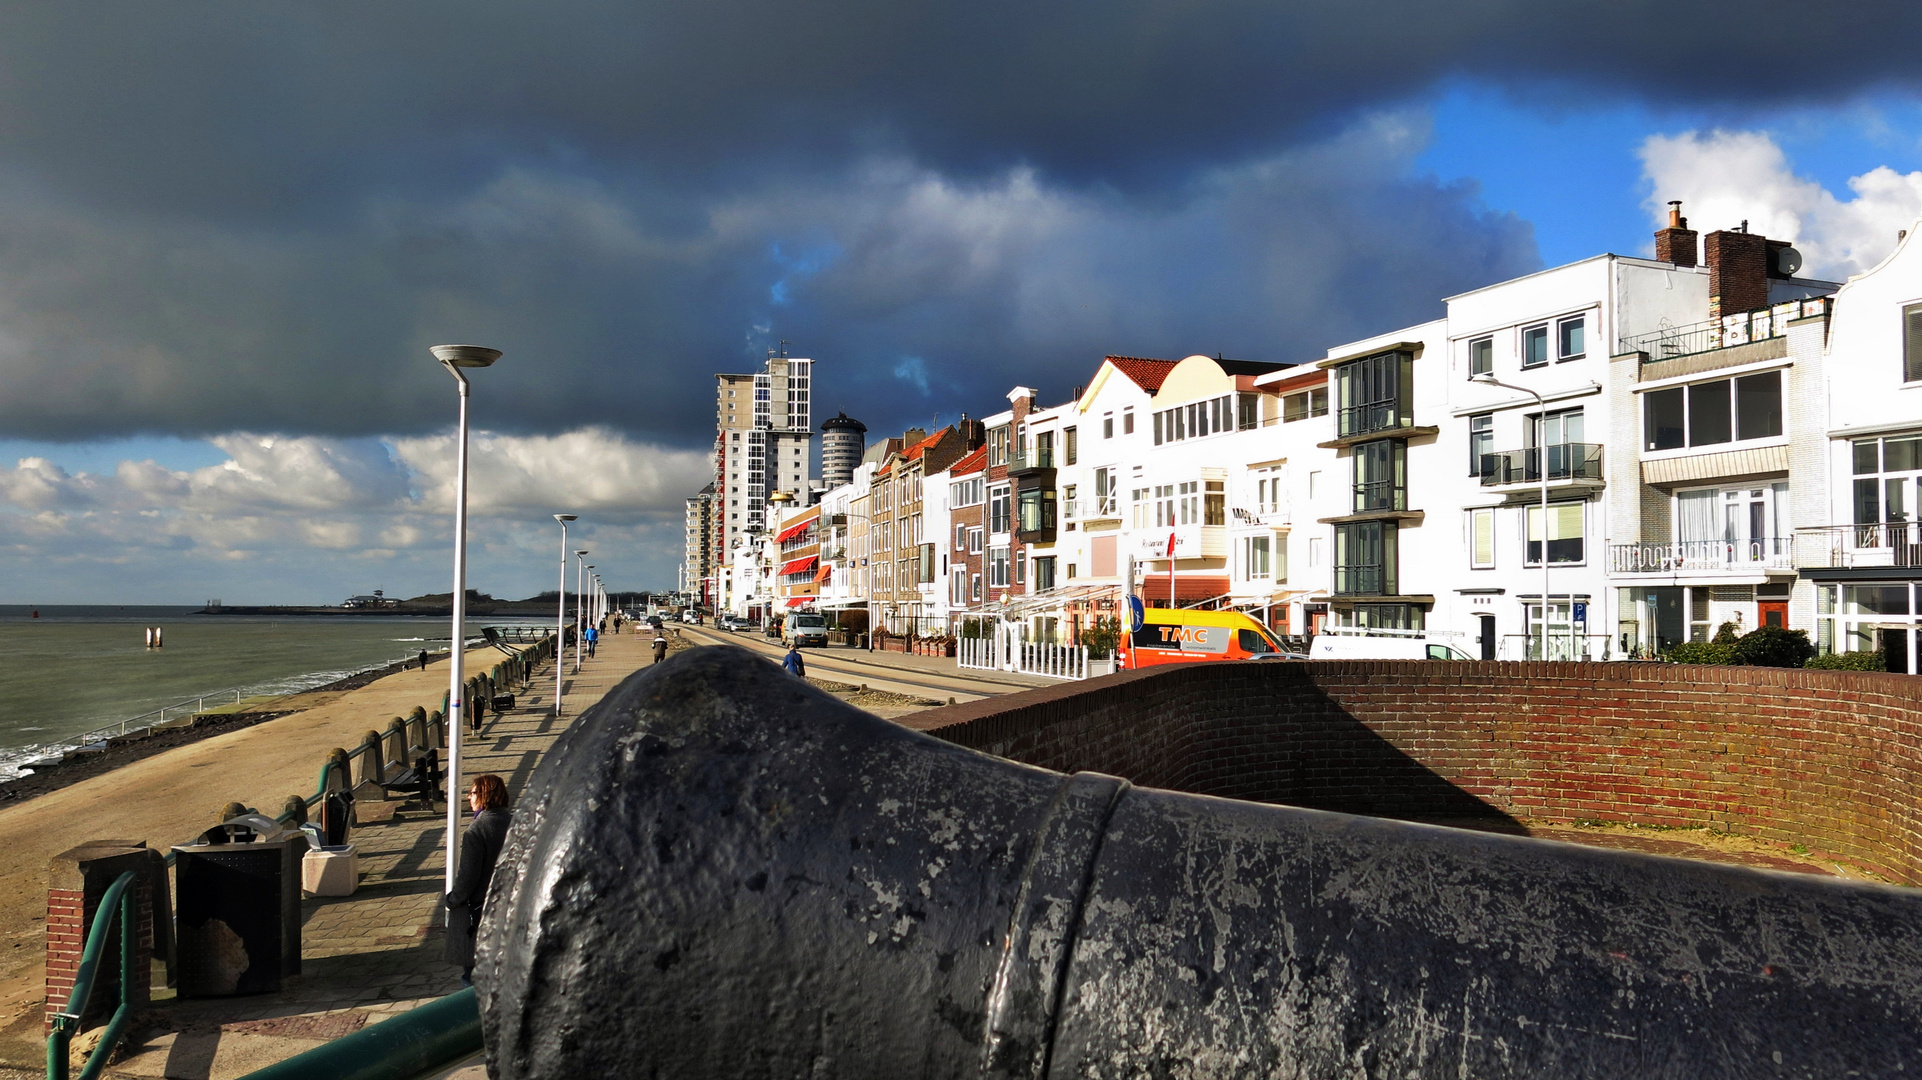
{"x": 975, "y": 460}
{"x": 914, "y": 452}
{"x": 1145, "y": 373}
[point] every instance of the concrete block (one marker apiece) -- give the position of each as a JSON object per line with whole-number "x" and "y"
{"x": 330, "y": 871}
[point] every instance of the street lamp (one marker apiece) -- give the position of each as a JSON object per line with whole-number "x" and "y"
{"x": 455, "y": 358}
{"x": 580, "y": 616}
{"x": 560, "y": 619}
{"x": 1541, "y": 466}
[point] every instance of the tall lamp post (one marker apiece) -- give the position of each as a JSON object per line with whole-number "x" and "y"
{"x": 1541, "y": 466}
{"x": 580, "y": 614}
{"x": 560, "y": 619}
{"x": 457, "y": 358}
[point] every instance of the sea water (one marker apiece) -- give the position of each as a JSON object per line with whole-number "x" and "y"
{"x": 72, "y": 670}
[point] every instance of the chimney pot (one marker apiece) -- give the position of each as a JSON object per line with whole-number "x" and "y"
{"x": 1675, "y": 244}
{"x": 1675, "y": 214}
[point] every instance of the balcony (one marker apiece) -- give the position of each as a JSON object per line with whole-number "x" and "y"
{"x": 1895, "y": 545}
{"x": 1726, "y": 332}
{"x": 1273, "y": 517}
{"x": 1028, "y": 462}
{"x": 1100, "y": 508}
{"x": 1578, "y": 462}
{"x": 1731, "y": 557}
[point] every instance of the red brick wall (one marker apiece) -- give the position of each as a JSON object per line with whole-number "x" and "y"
{"x": 1738, "y": 272}
{"x": 1826, "y": 759}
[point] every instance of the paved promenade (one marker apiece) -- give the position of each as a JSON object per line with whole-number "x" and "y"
{"x": 365, "y": 957}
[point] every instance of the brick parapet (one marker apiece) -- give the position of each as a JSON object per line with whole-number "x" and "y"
{"x": 1827, "y": 759}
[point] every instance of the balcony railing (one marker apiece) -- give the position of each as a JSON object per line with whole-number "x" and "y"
{"x": 1030, "y": 461}
{"x": 1270, "y": 515}
{"x": 1364, "y": 579}
{"x": 1692, "y": 556}
{"x": 1383, "y": 416}
{"x": 1845, "y": 547}
{"x": 1566, "y": 461}
{"x": 1729, "y": 330}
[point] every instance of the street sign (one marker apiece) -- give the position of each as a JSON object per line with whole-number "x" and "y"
{"x": 1136, "y": 616}
{"x": 1581, "y": 612}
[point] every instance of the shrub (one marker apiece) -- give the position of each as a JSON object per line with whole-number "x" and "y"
{"x": 1774, "y": 646}
{"x": 1725, "y": 634}
{"x": 1702, "y": 652}
{"x": 1849, "y": 661}
{"x": 1102, "y": 637}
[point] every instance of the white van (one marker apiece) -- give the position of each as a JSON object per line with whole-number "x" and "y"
{"x": 1344, "y": 644}
{"x": 804, "y": 628}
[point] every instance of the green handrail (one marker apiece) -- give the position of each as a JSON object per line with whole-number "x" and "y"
{"x": 432, "y": 1036}
{"x": 116, "y": 907}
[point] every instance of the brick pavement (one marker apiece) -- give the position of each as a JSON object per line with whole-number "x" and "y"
{"x": 377, "y": 953}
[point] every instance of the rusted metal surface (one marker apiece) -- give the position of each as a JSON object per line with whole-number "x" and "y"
{"x": 721, "y": 872}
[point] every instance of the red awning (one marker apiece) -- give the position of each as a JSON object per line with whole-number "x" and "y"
{"x": 798, "y": 566}
{"x": 798, "y": 601}
{"x": 1189, "y": 588}
{"x": 826, "y": 572}
{"x": 792, "y": 531}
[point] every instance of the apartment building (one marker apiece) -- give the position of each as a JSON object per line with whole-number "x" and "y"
{"x": 762, "y": 444}
{"x": 961, "y": 526}
{"x": 697, "y": 557}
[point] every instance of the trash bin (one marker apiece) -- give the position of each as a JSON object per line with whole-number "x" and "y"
{"x": 237, "y": 914}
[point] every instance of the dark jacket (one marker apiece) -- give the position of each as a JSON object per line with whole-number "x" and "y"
{"x": 480, "y": 847}
{"x": 794, "y": 664}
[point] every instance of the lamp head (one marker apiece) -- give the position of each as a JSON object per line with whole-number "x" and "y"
{"x": 582, "y": 553}
{"x": 465, "y": 356}
{"x": 567, "y": 517}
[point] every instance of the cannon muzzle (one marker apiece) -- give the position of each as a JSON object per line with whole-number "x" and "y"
{"x": 722, "y": 872}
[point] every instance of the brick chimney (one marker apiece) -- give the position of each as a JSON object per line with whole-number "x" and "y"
{"x": 1738, "y": 271}
{"x": 1675, "y": 244}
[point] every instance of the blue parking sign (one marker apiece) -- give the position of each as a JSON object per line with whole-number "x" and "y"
{"x": 1581, "y": 612}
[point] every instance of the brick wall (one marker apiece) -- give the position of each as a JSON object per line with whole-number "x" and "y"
{"x": 1738, "y": 272}
{"x": 78, "y": 879}
{"x": 1825, "y": 759}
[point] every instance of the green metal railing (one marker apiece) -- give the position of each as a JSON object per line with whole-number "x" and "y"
{"x": 418, "y": 1041}
{"x": 118, "y": 908}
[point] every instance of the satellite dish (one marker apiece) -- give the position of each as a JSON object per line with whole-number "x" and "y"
{"x": 1788, "y": 261}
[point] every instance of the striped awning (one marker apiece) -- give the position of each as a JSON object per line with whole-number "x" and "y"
{"x": 799, "y": 566}
{"x": 797, "y": 601}
{"x": 792, "y": 531}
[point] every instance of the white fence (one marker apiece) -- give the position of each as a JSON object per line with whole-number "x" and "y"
{"x": 1005, "y": 650}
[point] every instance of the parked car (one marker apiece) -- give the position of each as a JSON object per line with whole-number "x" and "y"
{"x": 1183, "y": 636}
{"x": 734, "y": 624}
{"x": 804, "y": 628}
{"x": 691, "y": 617}
{"x": 1402, "y": 645}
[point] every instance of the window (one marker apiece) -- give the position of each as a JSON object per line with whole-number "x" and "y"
{"x": 1164, "y": 505}
{"x": 958, "y": 586}
{"x": 1564, "y": 534}
{"x": 1314, "y": 551}
{"x": 999, "y": 511}
{"x": 1248, "y": 411}
{"x": 1710, "y": 413}
{"x": 1314, "y": 484}
{"x": 998, "y": 567}
{"x": 1481, "y": 538}
{"x": 1070, "y": 445}
{"x": 965, "y": 492}
{"x": 1318, "y": 402}
{"x": 1036, "y": 506}
{"x": 1375, "y": 394}
{"x": 1268, "y": 490}
{"x": 1294, "y": 407}
{"x": 1365, "y": 559}
{"x": 1200, "y": 419}
{"x": 1107, "y": 426}
{"x": 1888, "y": 481}
{"x": 998, "y": 446}
{"x": 1044, "y": 449}
{"x": 1127, "y": 421}
{"x": 1571, "y": 338}
{"x": 974, "y": 540}
{"x": 960, "y": 538}
{"x": 1562, "y": 426}
{"x": 1105, "y": 483}
{"x": 1534, "y": 346}
{"x": 974, "y": 581}
{"x": 1481, "y": 356}
{"x": 1190, "y": 503}
{"x": 1481, "y": 442}
{"x": 1254, "y": 557}
{"x": 1912, "y": 343}
{"x": 1141, "y": 507}
{"x": 1381, "y": 475}
{"x": 1214, "y": 502}
{"x": 1044, "y": 572}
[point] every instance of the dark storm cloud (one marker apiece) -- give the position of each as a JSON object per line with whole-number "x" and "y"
{"x": 256, "y": 216}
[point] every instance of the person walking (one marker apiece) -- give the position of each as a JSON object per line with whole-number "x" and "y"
{"x": 423, "y": 659}
{"x": 593, "y": 639}
{"x": 480, "y": 848}
{"x": 795, "y": 666}
{"x": 660, "y": 647}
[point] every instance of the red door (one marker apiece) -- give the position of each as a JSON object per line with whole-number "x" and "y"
{"x": 1773, "y": 612}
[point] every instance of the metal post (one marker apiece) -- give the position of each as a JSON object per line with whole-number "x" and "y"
{"x": 580, "y": 574}
{"x": 560, "y": 619}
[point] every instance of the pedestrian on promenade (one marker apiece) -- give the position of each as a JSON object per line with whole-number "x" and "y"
{"x": 480, "y": 847}
{"x": 423, "y": 659}
{"x": 795, "y": 666}
{"x": 593, "y": 638}
{"x": 660, "y": 647}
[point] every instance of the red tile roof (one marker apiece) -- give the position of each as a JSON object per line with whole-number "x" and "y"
{"x": 1146, "y": 373}
{"x": 973, "y": 462}
{"x": 915, "y": 451}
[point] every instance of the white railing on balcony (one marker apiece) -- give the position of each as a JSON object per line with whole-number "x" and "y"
{"x": 1841, "y": 547}
{"x": 1690, "y": 556}
{"x": 1259, "y": 515}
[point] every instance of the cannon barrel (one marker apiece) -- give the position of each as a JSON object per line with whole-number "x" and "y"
{"x": 722, "y": 872}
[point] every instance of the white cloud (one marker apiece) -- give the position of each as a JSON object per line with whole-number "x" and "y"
{"x": 1726, "y": 177}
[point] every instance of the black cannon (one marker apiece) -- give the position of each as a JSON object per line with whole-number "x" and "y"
{"x": 722, "y": 872}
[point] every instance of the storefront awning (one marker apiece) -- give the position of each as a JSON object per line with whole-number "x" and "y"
{"x": 1189, "y": 589}
{"x": 827, "y": 571}
{"x": 797, "y": 601}
{"x": 792, "y": 531}
{"x": 799, "y": 566}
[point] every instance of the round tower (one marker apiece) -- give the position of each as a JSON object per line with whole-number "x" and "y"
{"x": 843, "y": 441}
